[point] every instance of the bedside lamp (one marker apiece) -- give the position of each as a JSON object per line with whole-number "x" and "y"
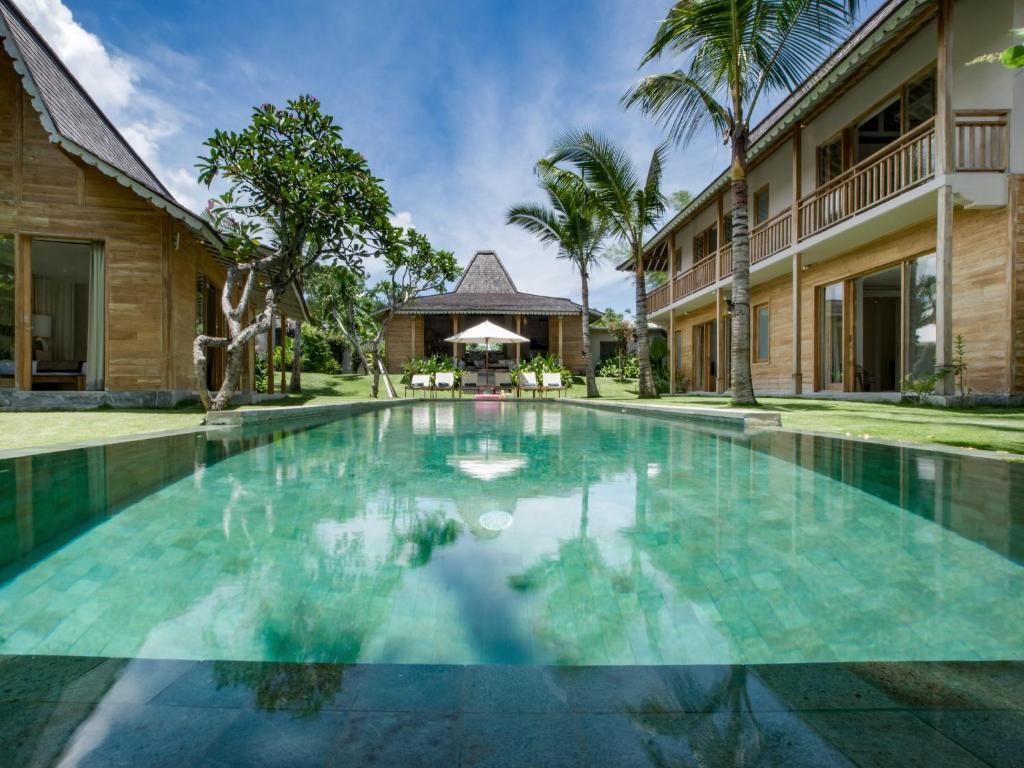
{"x": 42, "y": 330}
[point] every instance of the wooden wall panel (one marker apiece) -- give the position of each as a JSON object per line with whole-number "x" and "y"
{"x": 1016, "y": 340}
{"x": 183, "y": 268}
{"x": 572, "y": 343}
{"x": 9, "y": 95}
{"x": 775, "y": 374}
{"x": 399, "y": 342}
{"x": 49, "y": 174}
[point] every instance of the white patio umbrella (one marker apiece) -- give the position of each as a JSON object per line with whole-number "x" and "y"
{"x": 485, "y": 333}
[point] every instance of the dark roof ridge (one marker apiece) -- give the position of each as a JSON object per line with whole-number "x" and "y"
{"x": 474, "y": 266}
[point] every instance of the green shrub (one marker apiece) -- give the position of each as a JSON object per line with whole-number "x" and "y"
{"x": 317, "y": 356}
{"x": 610, "y": 367}
{"x": 260, "y": 374}
{"x": 429, "y": 366}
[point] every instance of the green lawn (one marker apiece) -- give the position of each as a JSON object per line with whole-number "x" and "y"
{"x": 995, "y": 429}
{"x": 982, "y": 428}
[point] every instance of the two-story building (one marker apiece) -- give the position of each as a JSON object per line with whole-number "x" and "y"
{"x": 887, "y": 218}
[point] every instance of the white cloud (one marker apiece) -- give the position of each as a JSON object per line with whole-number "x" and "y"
{"x": 118, "y": 83}
{"x": 402, "y": 219}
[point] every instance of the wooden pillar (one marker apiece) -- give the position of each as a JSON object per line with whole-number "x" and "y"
{"x": 412, "y": 335}
{"x": 797, "y": 178}
{"x": 23, "y": 352}
{"x": 284, "y": 353}
{"x": 560, "y": 340}
{"x": 672, "y": 348}
{"x": 798, "y": 377}
{"x": 721, "y": 382}
{"x": 519, "y": 330}
{"x": 270, "y": 357}
{"x": 944, "y": 139}
{"x": 673, "y": 267}
{"x": 720, "y": 229}
{"x": 455, "y": 344}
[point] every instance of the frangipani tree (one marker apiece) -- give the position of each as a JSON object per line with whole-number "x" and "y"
{"x": 341, "y": 301}
{"x": 412, "y": 267}
{"x": 630, "y": 202}
{"x": 736, "y": 52}
{"x": 573, "y": 223}
{"x": 297, "y": 196}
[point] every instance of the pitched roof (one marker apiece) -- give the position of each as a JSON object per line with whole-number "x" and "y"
{"x": 485, "y": 274}
{"x": 74, "y": 122}
{"x": 486, "y": 287}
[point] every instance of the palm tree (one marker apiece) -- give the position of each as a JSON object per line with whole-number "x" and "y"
{"x": 629, "y": 205}
{"x": 738, "y": 51}
{"x": 572, "y": 223}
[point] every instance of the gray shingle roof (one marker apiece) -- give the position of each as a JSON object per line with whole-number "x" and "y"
{"x": 73, "y": 113}
{"x": 486, "y": 288}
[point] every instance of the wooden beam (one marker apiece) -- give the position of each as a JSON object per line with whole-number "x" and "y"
{"x": 720, "y": 229}
{"x": 23, "y": 351}
{"x": 560, "y": 338}
{"x": 519, "y": 330}
{"x": 944, "y": 138}
{"x": 270, "y": 357}
{"x": 284, "y": 353}
{"x": 798, "y": 376}
{"x": 797, "y": 178}
{"x": 671, "y": 351}
{"x": 721, "y": 320}
{"x": 673, "y": 267}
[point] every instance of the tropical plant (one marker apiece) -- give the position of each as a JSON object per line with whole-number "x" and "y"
{"x": 622, "y": 330}
{"x": 341, "y": 302}
{"x": 680, "y": 199}
{"x": 574, "y": 225}
{"x": 1011, "y": 58}
{"x": 621, "y": 368}
{"x": 736, "y": 51}
{"x": 296, "y": 196}
{"x": 538, "y": 365}
{"x": 630, "y": 205}
{"x": 317, "y": 355}
{"x": 659, "y": 363}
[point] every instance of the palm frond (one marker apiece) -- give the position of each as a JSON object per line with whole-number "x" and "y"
{"x": 680, "y": 104}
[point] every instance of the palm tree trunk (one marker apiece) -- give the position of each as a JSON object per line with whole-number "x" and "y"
{"x": 588, "y": 358}
{"x": 295, "y": 382}
{"x": 742, "y": 382}
{"x": 643, "y": 344}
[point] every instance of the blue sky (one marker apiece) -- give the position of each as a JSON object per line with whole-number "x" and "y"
{"x": 452, "y": 101}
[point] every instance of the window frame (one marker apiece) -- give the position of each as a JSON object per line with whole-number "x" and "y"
{"x": 762, "y": 194}
{"x": 703, "y": 237}
{"x": 755, "y": 316}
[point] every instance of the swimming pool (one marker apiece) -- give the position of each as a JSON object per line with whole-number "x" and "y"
{"x": 512, "y": 533}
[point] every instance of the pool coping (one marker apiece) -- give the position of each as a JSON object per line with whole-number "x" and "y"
{"x": 242, "y": 417}
{"x": 748, "y": 418}
{"x": 36, "y": 450}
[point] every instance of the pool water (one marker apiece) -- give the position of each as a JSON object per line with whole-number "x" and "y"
{"x": 512, "y": 533}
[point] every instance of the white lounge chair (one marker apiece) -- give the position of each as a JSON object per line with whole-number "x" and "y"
{"x": 503, "y": 381}
{"x": 528, "y": 382}
{"x": 420, "y": 382}
{"x": 552, "y": 382}
{"x": 470, "y": 382}
{"x": 444, "y": 381}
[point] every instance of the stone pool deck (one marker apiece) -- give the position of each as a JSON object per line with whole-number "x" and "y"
{"x": 141, "y": 712}
{"x": 742, "y": 417}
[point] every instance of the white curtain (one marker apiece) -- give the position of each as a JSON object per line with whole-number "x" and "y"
{"x": 56, "y": 298}
{"x": 97, "y": 308}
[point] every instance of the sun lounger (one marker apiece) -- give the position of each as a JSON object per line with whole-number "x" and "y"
{"x": 420, "y": 382}
{"x": 470, "y": 382}
{"x": 444, "y": 381}
{"x": 528, "y": 383}
{"x": 552, "y": 382}
{"x": 503, "y": 381}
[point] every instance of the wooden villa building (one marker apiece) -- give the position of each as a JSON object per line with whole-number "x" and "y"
{"x": 887, "y": 218}
{"x": 486, "y": 292}
{"x": 105, "y": 278}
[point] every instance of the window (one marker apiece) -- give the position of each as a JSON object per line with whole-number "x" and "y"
{"x": 727, "y": 229}
{"x": 830, "y": 160}
{"x": 920, "y": 277}
{"x": 761, "y": 333}
{"x": 705, "y": 244}
{"x": 761, "y": 205}
{"x": 919, "y": 98}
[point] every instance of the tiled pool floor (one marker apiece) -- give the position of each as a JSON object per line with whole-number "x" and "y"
{"x": 81, "y": 711}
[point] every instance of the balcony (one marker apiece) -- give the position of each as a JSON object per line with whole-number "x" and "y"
{"x": 981, "y": 146}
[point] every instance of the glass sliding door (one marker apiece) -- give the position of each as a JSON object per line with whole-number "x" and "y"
{"x": 7, "y": 333}
{"x": 830, "y": 336}
{"x": 700, "y": 382}
{"x": 920, "y": 336}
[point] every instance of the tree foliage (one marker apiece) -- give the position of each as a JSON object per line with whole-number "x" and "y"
{"x": 296, "y": 197}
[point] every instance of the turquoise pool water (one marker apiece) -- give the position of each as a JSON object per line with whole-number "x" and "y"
{"x": 520, "y": 533}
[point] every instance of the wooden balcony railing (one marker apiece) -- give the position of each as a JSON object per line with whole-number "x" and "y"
{"x": 982, "y": 140}
{"x": 659, "y": 297}
{"x": 699, "y": 276}
{"x": 771, "y": 237}
{"x": 907, "y": 162}
{"x": 725, "y": 260}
